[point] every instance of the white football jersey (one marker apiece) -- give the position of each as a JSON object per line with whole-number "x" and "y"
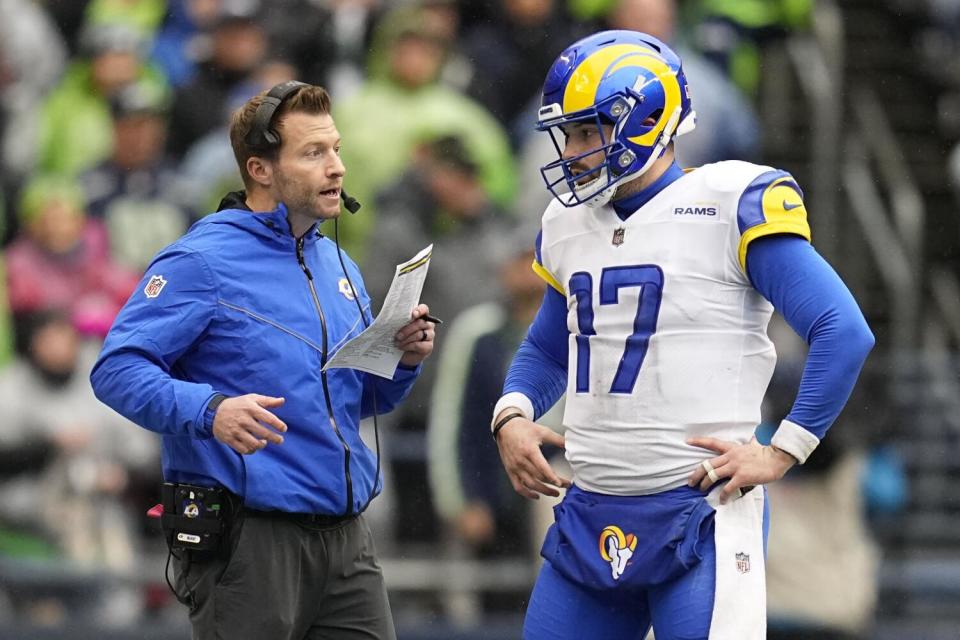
{"x": 668, "y": 338}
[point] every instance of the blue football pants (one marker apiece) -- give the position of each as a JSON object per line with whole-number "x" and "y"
{"x": 681, "y": 609}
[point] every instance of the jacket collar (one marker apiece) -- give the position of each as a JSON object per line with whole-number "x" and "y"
{"x": 266, "y": 223}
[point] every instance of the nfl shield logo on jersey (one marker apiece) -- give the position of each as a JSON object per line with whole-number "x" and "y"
{"x": 743, "y": 562}
{"x": 618, "y": 236}
{"x": 155, "y": 286}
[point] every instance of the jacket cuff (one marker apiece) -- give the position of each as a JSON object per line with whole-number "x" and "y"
{"x": 405, "y": 372}
{"x": 203, "y": 428}
{"x": 795, "y": 440}
{"x": 513, "y": 399}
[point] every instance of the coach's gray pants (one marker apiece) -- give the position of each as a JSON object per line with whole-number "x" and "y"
{"x": 288, "y": 581}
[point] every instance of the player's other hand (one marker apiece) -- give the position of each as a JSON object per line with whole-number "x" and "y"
{"x": 246, "y": 425}
{"x": 415, "y": 338}
{"x": 519, "y": 442}
{"x": 743, "y": 465}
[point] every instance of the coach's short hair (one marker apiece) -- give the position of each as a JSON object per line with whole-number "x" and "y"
{"x": 309, "y": 99}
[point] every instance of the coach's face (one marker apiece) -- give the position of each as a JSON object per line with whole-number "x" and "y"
{"x": 308, "y": 172}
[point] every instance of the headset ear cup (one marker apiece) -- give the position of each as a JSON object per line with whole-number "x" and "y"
{"x": 261, "y": 136}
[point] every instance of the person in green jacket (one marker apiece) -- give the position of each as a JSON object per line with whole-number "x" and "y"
{"x": 404, "y": 104}
{"x": 76, "y": 129}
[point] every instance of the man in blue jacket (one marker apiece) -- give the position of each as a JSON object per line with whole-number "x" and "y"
{"x": 221, "y": 349}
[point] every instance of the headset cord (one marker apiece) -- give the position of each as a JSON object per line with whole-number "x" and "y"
{"x": 373, "y": 379}
{"x": 189, "y": 599}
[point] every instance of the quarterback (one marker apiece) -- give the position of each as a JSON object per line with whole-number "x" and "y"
{"x": 661, "y": 285}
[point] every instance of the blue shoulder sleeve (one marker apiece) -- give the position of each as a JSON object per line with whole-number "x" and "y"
{"x": 539, "y": 369}
{"x": 816, "y": 303}
{"x": 169, "y": 310}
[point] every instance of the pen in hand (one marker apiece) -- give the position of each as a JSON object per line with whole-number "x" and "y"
{"x": 430, "y": 318}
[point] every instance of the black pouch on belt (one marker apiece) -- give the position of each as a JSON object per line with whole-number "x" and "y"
{"x": 193, "y": 517}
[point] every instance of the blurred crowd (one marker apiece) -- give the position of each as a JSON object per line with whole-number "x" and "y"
{"x": 113, "y": 140}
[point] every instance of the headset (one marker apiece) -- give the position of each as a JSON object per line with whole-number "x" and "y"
{"x": 262, "y": 137}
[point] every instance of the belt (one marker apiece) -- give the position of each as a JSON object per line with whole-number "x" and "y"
{"x": 306, "y": 519}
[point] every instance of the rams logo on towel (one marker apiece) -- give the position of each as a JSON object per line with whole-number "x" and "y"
{"x": 617, "y": 548}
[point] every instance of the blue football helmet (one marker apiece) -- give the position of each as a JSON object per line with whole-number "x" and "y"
{"x": 626, "y": 79}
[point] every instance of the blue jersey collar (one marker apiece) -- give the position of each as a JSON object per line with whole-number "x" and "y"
{"x": 627, "y": 206}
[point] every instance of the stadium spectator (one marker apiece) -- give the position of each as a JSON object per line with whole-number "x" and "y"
{"x": 404, "y": 103}
{"x": 132, "y": 191}
{"x": 301, "y": 32}
{"x": 237, "y": 47}
{"x": 530, "y": 30}
{"x": 67, "y": 458}
{"x": 209, "y": 169}
{"x": 70, "y": 17}
{"x": 60, "y": 260}
{"x": 143, "y": 15}
{"x": 183, "y": 38}
{"x": 76, "y": 132}
{"x": 439, "y": 200}
{"x": 727, "y": 125}
{"x": 353, "y": 22}
{"x": 732, "y": 33}
{"x": 32, "y": 57}
{"x": 474, "y": 499}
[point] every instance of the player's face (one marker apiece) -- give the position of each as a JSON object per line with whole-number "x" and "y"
{"x": 308, "y": 173}
{"x": 581, "y": 138}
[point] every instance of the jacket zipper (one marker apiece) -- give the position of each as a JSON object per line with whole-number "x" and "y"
{"x": 323, "y": 376}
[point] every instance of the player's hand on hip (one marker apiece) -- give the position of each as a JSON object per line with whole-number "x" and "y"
{"x": 742, "y": 465}
{"x": 246, "y": 425}
{"x": 519, "y": 442}
{"x": 415, "y": 338}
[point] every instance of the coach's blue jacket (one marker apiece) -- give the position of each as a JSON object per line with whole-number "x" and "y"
{"x": 228, "y": 309}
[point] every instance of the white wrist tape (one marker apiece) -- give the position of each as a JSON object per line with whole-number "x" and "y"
{"x": 795, "y": 440}
{"x": 513, "y": 399}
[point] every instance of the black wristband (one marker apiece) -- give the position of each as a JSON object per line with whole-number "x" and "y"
{"x": 504, "y": 420}
{"x": 214, "y": 403}
{"x": 210, "y": 413}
